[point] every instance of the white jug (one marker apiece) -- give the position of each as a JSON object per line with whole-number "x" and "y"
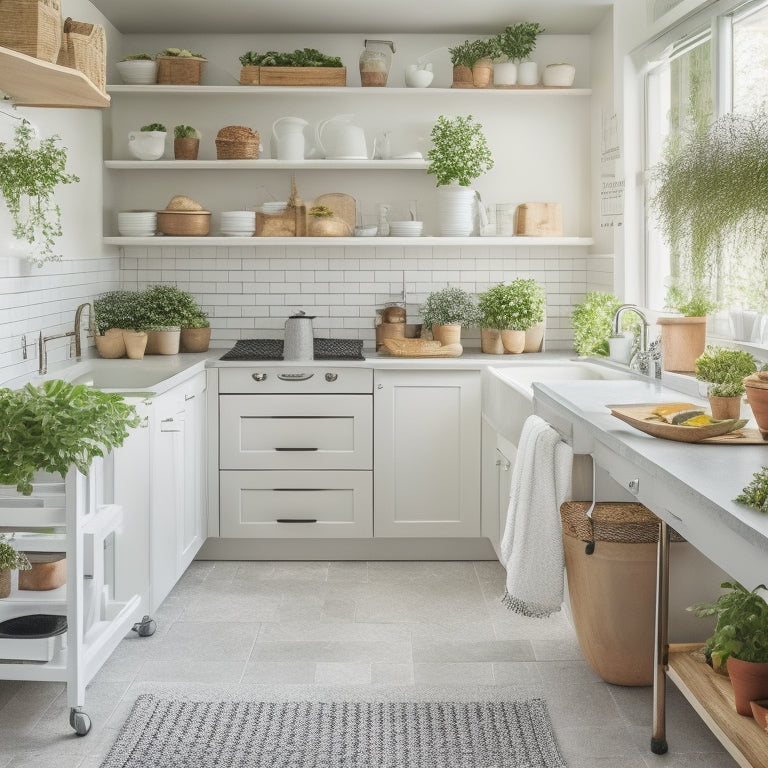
{"x": 288, "y": 138}
{"x": 339, "y": 139}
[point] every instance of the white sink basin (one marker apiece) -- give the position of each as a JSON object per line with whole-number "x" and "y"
{"x": 508, "y": 390}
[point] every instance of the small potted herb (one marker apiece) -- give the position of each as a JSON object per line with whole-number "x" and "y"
{"x": 138, "y": 69}
{"x": 186, "y": 142}
{"x": 30, "y": 171}
{"x": 591, "y": 322}
{"x": 322, "y": 222}
{"x": 515, "y": 44}
{"x": 446, "y": 310}
{"x": 510, "y": 309}
{"x": 473, "y": 62}
{"x": 10, "y": 560}
{"x": 148, "y": 143}
{"x": 162, "y": 309}
{"x": 179, "y": 66}
{"x": 725, "y": 370}
{"x": 118, "y": 325}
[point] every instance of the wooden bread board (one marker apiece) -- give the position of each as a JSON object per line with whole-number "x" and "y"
{"x": 343, "y": 207}
{"x": 421, "y": 348}
{"x": 539, "y": 219}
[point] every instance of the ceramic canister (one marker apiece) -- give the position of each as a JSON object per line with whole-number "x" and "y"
{"x": 299, "y": 337}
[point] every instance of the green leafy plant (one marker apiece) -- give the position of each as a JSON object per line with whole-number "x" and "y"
{"x": 320, "y": 211}
{"x": 185, "y": 132}
{"x": 10, "y": 559}
{"x": 459, "y": 151}
{"x": 518, "y": 305}
{"x": 138, "y": 57}
{"x": 181, "y": 53}
{"x": 304, "y": 57}
{"x": 755, "y": 494}
{"x": 741, "y": 629}
{"x": 154, "y": 127}
{"x": 591, "y": 322}
{"x": 725, "y": 369}
{"x": 117, "y": 309}
{"x": 165, "y": 306}
{"x": 449, "y": 306}
{"x": 29, "y": 175}
{"x": 462, "y": 55}
{"x": 517, "y": 41}
{"x": 55, "y": 425}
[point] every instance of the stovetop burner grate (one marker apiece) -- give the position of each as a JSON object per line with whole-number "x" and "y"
{"x": 272, "y": 349}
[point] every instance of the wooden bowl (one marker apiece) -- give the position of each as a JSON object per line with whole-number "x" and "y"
{"x": 184, "y": 223}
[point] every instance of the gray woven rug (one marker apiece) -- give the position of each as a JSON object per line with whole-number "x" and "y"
{"x": 175, "y": 733}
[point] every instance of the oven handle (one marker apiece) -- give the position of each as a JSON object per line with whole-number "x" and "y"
{"x": 294, "y": 520}
{"x": 294, "y": 376}
{"x": 297, "y": 449}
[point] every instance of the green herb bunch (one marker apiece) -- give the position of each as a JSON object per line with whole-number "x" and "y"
{"x": 449, "y": 306}
{"x": 741, "y": 630}
{"x": 320, "y": 211}
{"x": 28, "y": 177}
{"x": 305, "y": 57}
{"x": 185, "y": 132}
{"x": 725, "y": 369}
{"x": 755, "y": 494}
{"x": 517, "y": 41}
{"x": 518, "y": 305}
{"x": 154, "y": 127}
{"x": 468, "y": 53}
{"x": 181, "y": 53}
{"x": 10, "y": 559}
{"x": 58, "y": 424}
{"x": 138, "y": 57}
{"x": 459, "y": 151}
{"x": 591, "y": 322}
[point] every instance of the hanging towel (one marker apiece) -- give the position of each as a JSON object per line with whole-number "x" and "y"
{"x": 532, "y": 544}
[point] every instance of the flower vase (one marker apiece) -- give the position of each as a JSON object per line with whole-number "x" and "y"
{"x": 456, "y": 210}
{"x": 513, "y": 341}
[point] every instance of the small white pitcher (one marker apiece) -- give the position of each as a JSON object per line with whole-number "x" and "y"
{"x": 288, "y": 138}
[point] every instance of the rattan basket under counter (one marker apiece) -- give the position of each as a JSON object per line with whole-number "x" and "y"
{"x": 84, "y": 48}
{"x": 32, "y": 27}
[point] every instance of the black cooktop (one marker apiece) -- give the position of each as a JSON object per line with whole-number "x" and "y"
{"x": 272, "y": 349}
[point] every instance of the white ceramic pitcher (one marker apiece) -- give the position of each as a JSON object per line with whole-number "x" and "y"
{"x": 288, "y": 138}
{"x": 338, "y": 138}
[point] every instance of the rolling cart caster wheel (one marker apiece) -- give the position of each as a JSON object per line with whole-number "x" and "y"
{"x": 145, "y": 628}
{"x": 659, "y": 746}
{"x": 79, "y": 721}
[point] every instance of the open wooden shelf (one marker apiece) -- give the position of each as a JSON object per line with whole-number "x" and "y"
{"x": 31, "y": 82}
{"x": 711, "y": 696}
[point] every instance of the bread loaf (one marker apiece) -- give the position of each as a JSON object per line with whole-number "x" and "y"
{"x": 183, "y": 203}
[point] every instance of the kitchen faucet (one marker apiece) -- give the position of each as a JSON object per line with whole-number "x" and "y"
{"x": 43, "y": 340}
{"x": 647, "y": 359}
{"x": 616, "y": 324}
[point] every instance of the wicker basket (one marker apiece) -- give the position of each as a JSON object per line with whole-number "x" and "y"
{"x": 179, "y": 70}
{"x": 236, "y": 142}
{"x": 249, "y": 75}
{"x": 32, "y": 27}
{"x": 84, "y": 48}
{"x": 184, "y": 223}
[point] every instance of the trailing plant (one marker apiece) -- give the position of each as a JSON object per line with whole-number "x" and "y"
{"x": 10, "y": 559}
{"x": 181, "y": 53}
{"x": 55, "y": 425}
{"x": 755, "y": 494}
{"x": 725, "y": 369}
{"x": 591, "y": 322}
{"x": 154, "y": 127}
{"x": 741, "y": 629}
{"x": 29, "y": 176}
{"x": 320, "y": 211}
{"x": 304, "y": 57}
{"x": 185, "y": 132}
{"x": 459, "y": 151}
{"x": 517, "y": 41}
{"x": 518, "y": 305}
{"x": 449, "y": 306}
{"x": 117, "y": 309}
{"x": 138, "y": 57}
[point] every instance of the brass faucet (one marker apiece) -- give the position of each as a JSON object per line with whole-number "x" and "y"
{"x": 43, "y": 340}
{"x": 91, "y": 326}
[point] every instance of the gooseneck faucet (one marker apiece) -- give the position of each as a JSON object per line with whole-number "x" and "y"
{"x": 75, "y": 333}
{"x": 616, "y": 326}
{"x": 78, "y": 320}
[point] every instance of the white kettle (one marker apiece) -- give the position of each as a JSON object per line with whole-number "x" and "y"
{"x": 299, "y": 337}
{"x": 338, "y": 138}
{"x": 288, "y": 138}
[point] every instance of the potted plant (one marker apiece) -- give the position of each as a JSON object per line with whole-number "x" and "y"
{"x": 445, "y": 311}
{"x": 755, "y": 494}
{"x": 118, "y": 324}
{"x": 179, "y": 66}
{"x": 56, "y": 425}
{"x": 322, "y": 222}
{"x": 481, "y": 53}
{"x": 515, "y": 44}
{"x": 161, "y": 311}
{"x": 193, "y": 321}
{"x": 148, "y": 143}
{"x": 30, "y": 171}
{"x": 10, "y": 560}
{"x": 684, "y": 336}
{"x": 459, "y": 154}
{"x": 186, "y": 142}
{"x": 740, "y": 641}
{"x": 306, "y": 66}
{"x": 724, "y": 370}
{"x": 511, "y": 309}
{"x": 756, "y": 386}
{"x": 138, "y": 69}
{"x": 591, "y": 322}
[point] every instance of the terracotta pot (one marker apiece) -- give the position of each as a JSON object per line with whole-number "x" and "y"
{"x": 750, "y": 683}
{"x": 482, "y": 74}
{"x": 195, "y": 339}
{"x": 682, "y": 342}
{"x": 462, "y": 77}
{"x": 490, "y": 341}
{"x": 135, "y": 344}
{"x": 186, "y": 148}
{"x": 534, "y": 338}
{"x": 447, "y": 334}
{"x": 757, "y": 397}
{"x": 111, "y": 344}
{"x": 513, "y": 341}
{"x": 5, "y": 582}
{"x": 725, "y": 407}
{"x": 163, "y": 341}
{"x": 49, "y": 571}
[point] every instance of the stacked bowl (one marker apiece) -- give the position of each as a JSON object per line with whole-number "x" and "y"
{"x": 137, "y": 223}
{"x": 238, "y": 223}
{"x": 274, "y": 206}
{"x": 405, "y": 228}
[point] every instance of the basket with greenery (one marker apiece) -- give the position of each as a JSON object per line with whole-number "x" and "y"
{"x": 56, "y": 425}
{"x": 517, "y": 41}
{"x": 518, "y": 305}
{"x": 185, "y": 132}
{"x": 449, "y": 306}
{"x": 459, "y": 151}
{"x": 725, "y": 370}
{"x": 301, "y": 57}
{"x": 181, "y": 53}
{"x": 166, "y": 306}
{"x": 30, "y": 171}
{"x": 591, "y": 321}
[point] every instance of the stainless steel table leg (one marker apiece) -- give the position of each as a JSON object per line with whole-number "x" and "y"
{"x": 661, "y": 650}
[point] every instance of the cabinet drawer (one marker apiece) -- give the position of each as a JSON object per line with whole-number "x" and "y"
{"x": 297, "y": 379}
{"x": 297, "y": 505}
{"x": 295, "y": 431}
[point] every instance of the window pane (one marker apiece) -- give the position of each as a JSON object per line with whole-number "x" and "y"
{"x": 750, "y": 61}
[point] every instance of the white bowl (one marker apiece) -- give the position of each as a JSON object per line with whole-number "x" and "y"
{"x": 366, "y": 231}
{"x": 558, "y": 75}
{"x": 420, "y": 78}
{"x": 137, "y": 72}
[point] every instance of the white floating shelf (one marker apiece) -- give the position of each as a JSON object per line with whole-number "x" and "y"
{"x": 349, "y": 242}
{"x": 265, "y": 165}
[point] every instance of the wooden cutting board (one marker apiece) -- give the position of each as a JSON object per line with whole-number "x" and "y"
{"x": 539, "y": 219}
{"x": 342, "y": 205}
{"x": 421, "y": 348}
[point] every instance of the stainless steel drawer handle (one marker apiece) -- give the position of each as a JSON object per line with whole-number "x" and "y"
{"x": 258, "y": 376}
{"x": 331, "y": 376}
{"x": 294, "y": 376}
{"x": 299, "y": 489}
{"x": 294, "y": 520}
{"x": 297, "y": 449}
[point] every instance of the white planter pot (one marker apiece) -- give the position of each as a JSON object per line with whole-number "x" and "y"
{"x": 146, "y": 145}
{"x": 456, "y": 207}
{"x": 558, "y": 75}
{"x": 528, "y": 73}
{"x": 137, "y": 72}
{"x": 505, "y": 73}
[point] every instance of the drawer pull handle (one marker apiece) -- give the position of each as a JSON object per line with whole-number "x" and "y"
{"x": 299, "y": 489}
{"x": 258, "y": 376}
{"x": 297, "y": 449}
{"x": 294, "y": 520}
{"x": 634, "y": 485}
{"x": 294, "y": 376}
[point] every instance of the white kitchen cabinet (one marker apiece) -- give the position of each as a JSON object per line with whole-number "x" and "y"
{"x": 192, "y": 525}
{"x": 426, "y": 453}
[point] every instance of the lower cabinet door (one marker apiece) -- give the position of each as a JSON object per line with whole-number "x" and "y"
{"x": 296, "y": 505}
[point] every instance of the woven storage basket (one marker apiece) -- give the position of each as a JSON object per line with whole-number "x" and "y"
{"x": 236, "y": 142}
{"x": 179, "y": 70}
{"x": 32, "y": 27}
{"x": 249, "y": 75}
{"x": 84, "y": 48}
{"x": 184, "y": 223}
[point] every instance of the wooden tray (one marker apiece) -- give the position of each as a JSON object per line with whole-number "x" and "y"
{"x": 322, "y": 76}
{"x": 641, "y": 417}
{"x": 421, "y": 348}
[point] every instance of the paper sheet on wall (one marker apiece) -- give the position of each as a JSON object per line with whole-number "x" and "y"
{"x": 611, "y": 201}
{"x": 610, "y": 138}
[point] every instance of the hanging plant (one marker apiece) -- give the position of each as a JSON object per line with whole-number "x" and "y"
{"x": 28, "y": 177}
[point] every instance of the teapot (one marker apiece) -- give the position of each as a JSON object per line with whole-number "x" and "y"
{"x": 288, "y": 138}
{"x": 338, "y": 138}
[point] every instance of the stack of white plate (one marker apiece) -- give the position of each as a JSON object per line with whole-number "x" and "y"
{"x": 137, "y": 223}
{"x": 238, "y": 223}
{"x": 274, "y": 206}
{"x": 405, "y": 228}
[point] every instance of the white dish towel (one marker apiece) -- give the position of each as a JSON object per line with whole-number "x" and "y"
{"x": 532, "y": 544}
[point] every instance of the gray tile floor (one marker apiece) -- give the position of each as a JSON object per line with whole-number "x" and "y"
{"x": 420, "y": 629}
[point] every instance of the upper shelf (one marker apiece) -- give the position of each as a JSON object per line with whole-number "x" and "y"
{"x": 265, "y": 165}
{"x": 31, "y": 82}
{"x": 245, "y": 90}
